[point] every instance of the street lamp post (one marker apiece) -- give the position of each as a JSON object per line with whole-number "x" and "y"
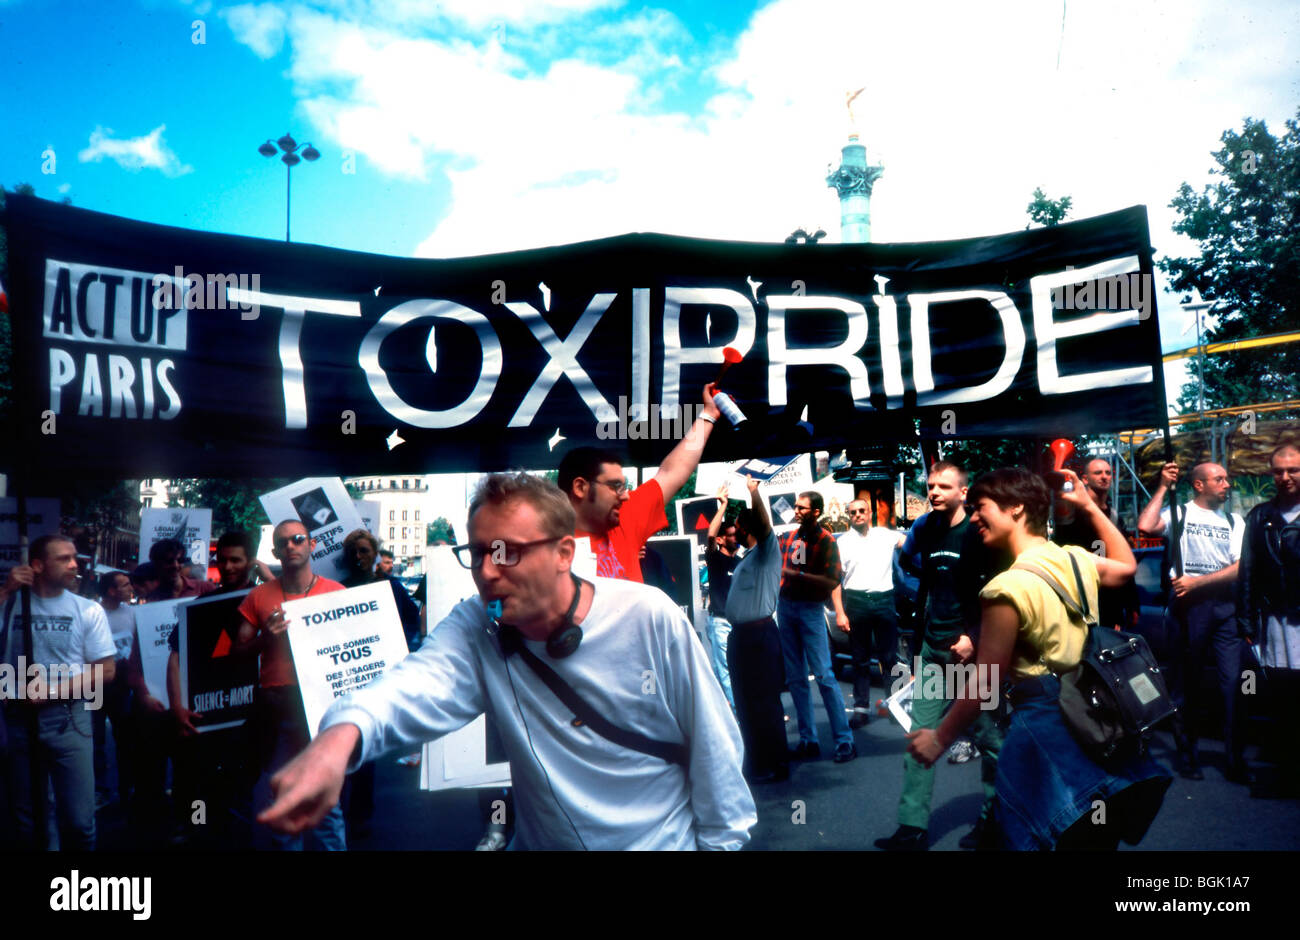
{"x": 289, "y": 156}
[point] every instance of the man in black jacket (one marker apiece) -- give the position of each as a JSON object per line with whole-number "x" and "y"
{"x": 955, "y": 565}
{"x": 1268, "y": 607}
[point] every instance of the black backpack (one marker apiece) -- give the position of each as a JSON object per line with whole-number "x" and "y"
{"x": 1117, "y": 693}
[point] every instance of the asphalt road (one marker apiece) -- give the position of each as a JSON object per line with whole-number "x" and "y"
{"x": 842, "y": 806}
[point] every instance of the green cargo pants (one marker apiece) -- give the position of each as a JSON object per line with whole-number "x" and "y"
{"x": 927, "y": 712}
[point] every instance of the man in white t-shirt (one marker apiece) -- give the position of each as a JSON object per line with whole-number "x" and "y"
{"x": 72, "y": 655}
{"x": 867, "y": 554}
{"x": 1202, "y": 609}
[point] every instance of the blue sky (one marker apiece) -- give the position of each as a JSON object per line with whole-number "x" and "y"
{"x": 468, "y": 126}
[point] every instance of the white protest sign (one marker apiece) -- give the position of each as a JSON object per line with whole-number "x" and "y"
{"x": 584, "y": 559}
{"x": 368, "y": 510}
{"x": 900, "y": 704}
{"x": 323, "y": 505}
{"x": 775, "y": 472}
{"x": 42, "y": 519}
{"x": 447, "y": 583}
{"x": 342, "y": 641}
{"x": 191, "y": 527}
{"x": 461, "y": 759}
{"x": 154, "y": 622}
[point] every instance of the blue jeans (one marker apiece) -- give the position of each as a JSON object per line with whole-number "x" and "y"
{"x": 1046, "y": 783}
{"x": 66, "y": 741}
{"x": 719, "y": 631}
{"x": 806, "y": 649}
{"x": 281, "y": 709}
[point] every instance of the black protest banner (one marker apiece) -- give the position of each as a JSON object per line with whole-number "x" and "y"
{"x": 143, "y": 350}
{"x": 215, "y": 682}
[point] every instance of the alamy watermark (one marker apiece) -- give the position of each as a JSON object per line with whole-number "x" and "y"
{"x": 17, "y": 681}
{"x": 205, "y": 292}
{"x": 1132, "y": 291}
{"x": 671, "y": 424}
{"x": 952, "y": 681}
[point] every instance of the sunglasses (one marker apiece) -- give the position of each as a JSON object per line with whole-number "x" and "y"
{"x": 292, "y": 539}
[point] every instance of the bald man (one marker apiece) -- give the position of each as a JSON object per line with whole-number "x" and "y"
{"x": 1202, "y": 610}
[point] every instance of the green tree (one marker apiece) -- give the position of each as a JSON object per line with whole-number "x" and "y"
{"x": 1247, "y": 225}
{"x": 439, "y": 529}
{"x": 1047, "y": 212}
{"x": 234, "y": 503}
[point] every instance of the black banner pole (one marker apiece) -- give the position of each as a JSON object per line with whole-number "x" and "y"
{"x": 31, "y": 713}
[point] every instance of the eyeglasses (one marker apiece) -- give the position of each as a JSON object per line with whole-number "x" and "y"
{"x": 619, "y": 488}
{"x": 504, "y": 554}
{"x": 294, "y": 539}
{"x": 857, "y": 512}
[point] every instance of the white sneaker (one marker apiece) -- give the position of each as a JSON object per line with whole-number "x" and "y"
{"x": 962, "y": 751}
{"x": 494, "y": 839}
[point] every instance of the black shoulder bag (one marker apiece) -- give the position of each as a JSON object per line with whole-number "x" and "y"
{"x": 1117, "y": 694}
{"x": 586, "y": 714}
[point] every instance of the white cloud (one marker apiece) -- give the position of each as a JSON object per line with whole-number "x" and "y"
{"x": 258, "y": 26}
{"x": 134, "y": 153}
{"x": 558, "y": 132}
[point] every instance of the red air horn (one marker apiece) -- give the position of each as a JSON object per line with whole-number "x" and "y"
{"x": 724, "y": 402}
{"x": 730, "y": 356}
{"x": 1062, "y": 450}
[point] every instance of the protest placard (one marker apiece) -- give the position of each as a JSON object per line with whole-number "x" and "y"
{"x": 215, "y": 683}
{"x": 191, "y": 527}
{"x": 342, "y": 641}
{"x": 464, "y": 758}
{"x": 324, "y": 507}
{"x": 679, "y": 576}
{"x": 368, "y": 510}
{"x": 693, "y": 518}
{"x": 154, "y": 622}
{"x": 42, "y": 519}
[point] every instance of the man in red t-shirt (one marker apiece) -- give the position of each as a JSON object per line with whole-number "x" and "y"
{"x": 282, "y": 723}
{"x": 619, "y": 521}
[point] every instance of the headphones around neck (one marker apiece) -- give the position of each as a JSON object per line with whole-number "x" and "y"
{"x": 562, "y": 642}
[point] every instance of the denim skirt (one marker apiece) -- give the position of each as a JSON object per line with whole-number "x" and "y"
{"x": 1046, "y": 783}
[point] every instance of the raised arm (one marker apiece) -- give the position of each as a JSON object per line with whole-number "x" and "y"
{"x": 715, "y": 525}
{"x": 1149, "y": 522}
{"x": 1116, "y": 565}
{"x": 682, "y": 460}
{"x": 759, "y": 505}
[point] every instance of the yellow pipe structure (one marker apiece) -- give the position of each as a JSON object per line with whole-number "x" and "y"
{"x": 1231, "y": 345}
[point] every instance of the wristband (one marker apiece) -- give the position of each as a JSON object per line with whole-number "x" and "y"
{"x": 708, "y": 418}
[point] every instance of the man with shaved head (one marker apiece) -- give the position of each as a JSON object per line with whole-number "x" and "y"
{"x": 1202, "y": 610}
{"x": 1268, "y": 609}
{"x": 281, "y": 723}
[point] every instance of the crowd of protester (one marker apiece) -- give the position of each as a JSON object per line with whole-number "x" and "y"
{"x": 938, "y": 593}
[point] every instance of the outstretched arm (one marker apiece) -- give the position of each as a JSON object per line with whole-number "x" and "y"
{"x": 685, "y": 457}
{"x": 309, "y": 785}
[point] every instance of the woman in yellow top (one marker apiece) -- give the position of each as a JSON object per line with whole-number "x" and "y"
{"x": 1051, "y": 795}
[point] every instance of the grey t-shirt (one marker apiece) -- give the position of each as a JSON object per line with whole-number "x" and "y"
{"x": 756, "y": 582}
